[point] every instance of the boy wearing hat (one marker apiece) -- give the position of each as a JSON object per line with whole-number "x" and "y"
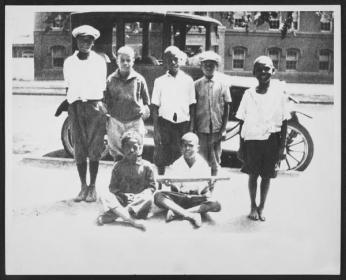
{"x": 212, "y": 109}
{"x": 188, "y": 200}
{"x": 263, "y": 115}
{"x": 85, "y": 74}
{"x": 132, "y": 185}
{"x": 173, "y": 102}
{"x": 127, "y": 101}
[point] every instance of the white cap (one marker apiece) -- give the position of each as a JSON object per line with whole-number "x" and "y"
{"x": 210, "y": 55}
{"x": 86, "y": 30}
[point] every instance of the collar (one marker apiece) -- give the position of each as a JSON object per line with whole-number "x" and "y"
{"x": 133, "y": 74}
{"x": 169, "y": 75}
{"x": 90, "y": 54}
{"x": 212, "y": 79}
{"x": 138, "y": 161}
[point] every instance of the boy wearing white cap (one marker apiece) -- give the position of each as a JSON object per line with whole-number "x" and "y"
{"x": 212, "y": 109}
{"x": 85, "y": 74}
{"x": 263, "y": 115}
{"x": 173, "y": 102}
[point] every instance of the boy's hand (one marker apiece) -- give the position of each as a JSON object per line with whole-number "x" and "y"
{"x": 282, "y": 153}
{"x": 145, "y": 112}
{"x": 223, "y": 133}
{"x": 157, "y": 137}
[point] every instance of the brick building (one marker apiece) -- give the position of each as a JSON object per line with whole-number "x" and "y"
{"x": 304, "y": 55}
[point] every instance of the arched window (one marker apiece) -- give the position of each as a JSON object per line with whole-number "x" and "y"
{"x": 58, "y": 54}
{"x": 292, "y": 57}
{"x": 326, "y": 23}
{"x": 238, "y": 58}
{"x": 274, "y": 54}
{"x": 325, "y": 60}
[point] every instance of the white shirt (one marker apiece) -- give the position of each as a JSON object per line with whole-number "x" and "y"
{"x": 174, "y": 95}
{"x": 180, "y": 168}
{"x": 85, "y": 79}
{"x": 263, "y": 114}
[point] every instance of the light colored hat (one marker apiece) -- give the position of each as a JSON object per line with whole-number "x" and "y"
{"x": 190, "y": 137}
{"x": 86, "y": 30}
{"x": 210, "y": 55}
{"x": 263, "y": 59}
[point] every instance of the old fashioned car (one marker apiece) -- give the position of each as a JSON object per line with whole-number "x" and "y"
{"x": 149, "y": 33}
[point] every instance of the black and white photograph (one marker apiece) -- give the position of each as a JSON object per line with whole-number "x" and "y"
{"x": 173, "y": 140}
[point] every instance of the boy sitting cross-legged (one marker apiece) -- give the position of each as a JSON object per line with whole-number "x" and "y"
{"x": 132, "y": 185}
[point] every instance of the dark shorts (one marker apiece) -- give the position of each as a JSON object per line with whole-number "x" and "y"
{"x": 169, "y": 149}
{"x": 88, "y": 129}
{"x": 184, "y": 200}
{"x": 261, "y": 156}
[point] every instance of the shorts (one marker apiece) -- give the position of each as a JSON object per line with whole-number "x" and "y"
{"x": 138, "y": 205}
{"x": 169, "y": 149}
{"x": 116, "y": 129}
{"x": 261, "y": 156}
{"x": 184, "y": 200}
{"x": 88, "y": 125}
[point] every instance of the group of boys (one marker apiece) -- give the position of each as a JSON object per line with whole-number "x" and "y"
{"x": 188, "y": 117}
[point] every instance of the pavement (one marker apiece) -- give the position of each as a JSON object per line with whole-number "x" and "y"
{"x": 304, "y": 93}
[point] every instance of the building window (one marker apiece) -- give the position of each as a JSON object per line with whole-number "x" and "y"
{"x": 238, "y": 58}
{"x": 325, "y": 60}
{"x": 326, "y": 23}
{"x": 295, "y": 20}
{"x": 274, "y": 20}
{"x": 27, "y": 54}
{"x": 274, "y": 54}
{"x": 58, "y": 56}
{"x": 291, "y": 59}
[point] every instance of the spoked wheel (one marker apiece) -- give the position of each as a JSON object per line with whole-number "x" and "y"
{"x": 299, "y": 148}
{"x": 67, "y": 139}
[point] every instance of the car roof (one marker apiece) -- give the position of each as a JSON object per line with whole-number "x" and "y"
{"x": 172, "y": 16}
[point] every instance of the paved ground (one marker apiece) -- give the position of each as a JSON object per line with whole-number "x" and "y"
{"x": 306, "y": 93}
{"x": 47, "y": 233}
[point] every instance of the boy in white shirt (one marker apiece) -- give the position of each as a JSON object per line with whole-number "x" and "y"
{"x": 188, "y": 199}
{"x": 85, "y": 73}
{"x": 263, "y": 114}
{"x": 173, "y": 101}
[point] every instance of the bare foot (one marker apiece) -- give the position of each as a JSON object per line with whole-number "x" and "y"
{"x": 82, "y": 194}
{"x": 196, "y": 220}
{"x": 170, "y": 216}
{"x": 253, "y": 214}
{"x": 139, "y": 226}
{"x": 260, "y": 214}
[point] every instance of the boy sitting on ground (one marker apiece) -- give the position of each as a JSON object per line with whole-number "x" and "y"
{"x": 132, "y": 185}
{"x": 189, "y": 199}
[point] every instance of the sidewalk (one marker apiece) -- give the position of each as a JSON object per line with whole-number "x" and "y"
{"x": 305, "y": 93}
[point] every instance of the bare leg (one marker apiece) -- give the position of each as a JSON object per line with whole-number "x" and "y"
{"x": 209, "y": 206}
{"x": 82, "y": 170}
{"x": 252, "y": 191}
{"x": 93, "y": 169}
{"x": 265, "y": 183}
{"x": 194, "y": 218}
{"x": 124, "y": 214}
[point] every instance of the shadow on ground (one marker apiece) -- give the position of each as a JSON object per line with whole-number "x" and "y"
{"x": 227, "y": 159}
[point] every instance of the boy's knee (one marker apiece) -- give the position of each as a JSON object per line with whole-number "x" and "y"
{"x": 215, "y": 206}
